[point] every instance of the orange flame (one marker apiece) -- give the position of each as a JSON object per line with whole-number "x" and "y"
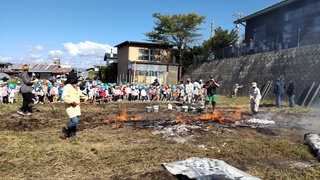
{"x": 116, "y": 126}
{"x": 135, "y": 118}
{"x": 178, "y": 120}
{"x": 106, "y": 122}
{"x": 122, "y": 116}
{"x": 216, "y": 116}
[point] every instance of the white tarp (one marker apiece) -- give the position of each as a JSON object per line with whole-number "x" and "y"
{"x": 206, "y": 168}
{"x": 313, "y": 141}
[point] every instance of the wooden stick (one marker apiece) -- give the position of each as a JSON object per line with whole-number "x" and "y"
{"x": 86, "y": 102}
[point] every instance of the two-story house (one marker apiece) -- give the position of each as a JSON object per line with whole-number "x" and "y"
{"x": 141, "y": 62}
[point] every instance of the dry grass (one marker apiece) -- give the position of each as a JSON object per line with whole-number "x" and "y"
{"x": 137, "y": 153}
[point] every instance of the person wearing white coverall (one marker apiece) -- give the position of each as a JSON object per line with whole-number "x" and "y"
{"x": 189, "y": 90}
{"x": 255, "y": 97}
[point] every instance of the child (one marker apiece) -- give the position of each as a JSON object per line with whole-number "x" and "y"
{"x": 40, "y": 93}
{"x": 71, "y": 95}
{"x": 5, "y": 93}
{"x": 11, "y": 92}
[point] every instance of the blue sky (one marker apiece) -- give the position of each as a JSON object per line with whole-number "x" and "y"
{"x": 80, "y": 32}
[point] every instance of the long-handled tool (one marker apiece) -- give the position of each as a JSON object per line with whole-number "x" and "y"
{"x": 91, "y": 101}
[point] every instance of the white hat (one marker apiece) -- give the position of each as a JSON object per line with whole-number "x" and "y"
{"x": 254, "y": 84}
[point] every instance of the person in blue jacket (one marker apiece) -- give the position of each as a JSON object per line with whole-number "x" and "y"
{"x": 278, "y": 89}
{"x": 291, "y": 92}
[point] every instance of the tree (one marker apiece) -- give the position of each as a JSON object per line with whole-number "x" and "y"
{"x": 222, "y": 39}
{"x": 178, "y": 30}
{"x": 109, "y": 73}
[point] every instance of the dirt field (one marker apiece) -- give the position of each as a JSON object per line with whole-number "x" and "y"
{"x": 122, "y": 141}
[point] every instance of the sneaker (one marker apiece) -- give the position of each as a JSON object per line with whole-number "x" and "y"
{"x": 27, "y": 113}
{"x": 20, "y": 112}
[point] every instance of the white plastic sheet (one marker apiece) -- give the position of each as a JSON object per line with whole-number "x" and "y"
{"x": 313, "y": 141}
{"x": 206, "y": 168}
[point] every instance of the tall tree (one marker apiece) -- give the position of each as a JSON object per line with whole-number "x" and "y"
{"x": 178, "y": 30}
{"x": 221, "y": 39}
{"x": 109, "y": 73}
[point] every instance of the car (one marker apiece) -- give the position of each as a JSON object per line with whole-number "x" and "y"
{"x": 4, "y": 76}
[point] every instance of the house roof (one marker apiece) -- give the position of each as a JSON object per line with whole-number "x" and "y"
{"x": 5, "y": 63}
{"x": 135, "y": 43}
{"x": 265, "y": 10}
{"x": 44, "y": 68}
{"x": 108, "y": 56}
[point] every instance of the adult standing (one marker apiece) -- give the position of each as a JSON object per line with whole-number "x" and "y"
{"x": 255, "y": 97}
{"x": 278, "y": 89}
{"x": 18, "y": 96}
{"x": 211, "y": 87}
{"x": 291, "y": 92}
{"x": 196, "y": 88}
{"x": 26, "y": 91}
{"x": 71, "y": 95}
{"x": 189, "y": 90}
{"x": 252, "y": 46}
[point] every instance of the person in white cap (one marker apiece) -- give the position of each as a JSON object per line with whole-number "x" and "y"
{"x": 255, "y": 97}
{"x": 189, "y": 91}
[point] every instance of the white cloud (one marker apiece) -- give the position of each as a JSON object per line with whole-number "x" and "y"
{"x": 37, "y": 48}
{"x": 87, "y": 49}
{"x": 55, "y": 54}
{"x": 35, "y": 56}
{"x": 6, "y": 59}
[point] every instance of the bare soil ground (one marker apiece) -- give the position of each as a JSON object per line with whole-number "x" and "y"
{"x": 118, "y": 140}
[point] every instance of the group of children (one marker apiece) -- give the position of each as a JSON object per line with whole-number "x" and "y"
{"x": 9, "y": 92}
{"x": 132, "y": 92}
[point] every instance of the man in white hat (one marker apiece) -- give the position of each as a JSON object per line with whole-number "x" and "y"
{"x": 189, "y": 90}
{"x": 255, "y": 97}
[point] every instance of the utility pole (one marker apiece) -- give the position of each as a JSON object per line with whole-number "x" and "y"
{"x": 212, "y": 29}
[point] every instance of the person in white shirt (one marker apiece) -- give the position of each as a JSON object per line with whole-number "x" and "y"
{"x": 255, "y": 97}
{"x": 189, "y": 90}
{"x": 196, "y": 88}
{"x": 143, "y": 94}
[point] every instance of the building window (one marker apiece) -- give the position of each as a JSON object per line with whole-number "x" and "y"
{"x": 259, "y": 32}
{"x": 143, "y": 54}
{"x": 142, "y": 73}
{"x": 298, "y": 12}
{"x": 316, "y": 23}
{"x": 309, "y": 9}
{"x": 288, "y": 15}
{"x": 149, "y": 54}
{"x": 317, "y": 7}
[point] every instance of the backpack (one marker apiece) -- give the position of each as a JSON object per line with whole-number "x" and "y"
{"x": 82, "y": 85}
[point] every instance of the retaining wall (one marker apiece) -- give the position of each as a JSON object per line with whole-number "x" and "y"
{"x": 300, "y": 64}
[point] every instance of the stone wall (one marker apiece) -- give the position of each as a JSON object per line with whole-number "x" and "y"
{"x": 301, "y": 64}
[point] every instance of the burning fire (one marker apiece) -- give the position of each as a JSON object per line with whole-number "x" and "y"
{"x": 106, "y": 122}
{"x": 216, "y": 116}
{"x": 117, "y": 125}
{"x": 122, "y": 117}
{"x": 135, "y": 118}
{"x": 178, "y": 120}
